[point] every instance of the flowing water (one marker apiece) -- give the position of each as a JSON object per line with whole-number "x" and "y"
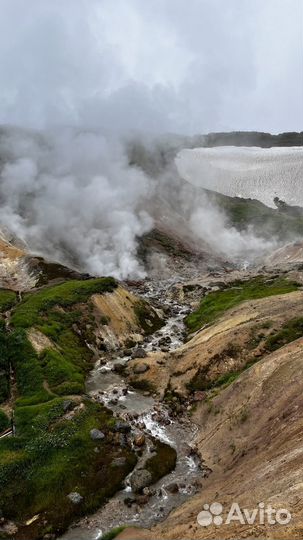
{"x": 146, "y": 415}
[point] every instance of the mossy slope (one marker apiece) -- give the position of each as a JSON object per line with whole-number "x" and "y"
{"x": 215, "y": 304}
{"x": 52, "y": 453}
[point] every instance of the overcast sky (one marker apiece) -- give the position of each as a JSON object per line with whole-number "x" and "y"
{"x": 186, "y": 66}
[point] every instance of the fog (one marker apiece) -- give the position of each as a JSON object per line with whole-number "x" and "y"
{"x": 79, "y": 80}
{"x": 156, "y": 66}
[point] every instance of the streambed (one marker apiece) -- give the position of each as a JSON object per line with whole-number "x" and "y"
{"x": 151, "y": 418}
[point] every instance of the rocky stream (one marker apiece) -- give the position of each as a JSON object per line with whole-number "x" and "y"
{"x": 150, "y": 421}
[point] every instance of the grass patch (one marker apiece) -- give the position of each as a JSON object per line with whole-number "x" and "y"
{"x": 53, "y": 455}
{"x": 60, "y": 372}
{"x": 4, "y": 364}
{"x": 4, "y": 421}
{"x": 215, "y": 304}
{"x": 289, "y": 332}
{"x": 7, "y": 299}
{"x": 66, "y": 294}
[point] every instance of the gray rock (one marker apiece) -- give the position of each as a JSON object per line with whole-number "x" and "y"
{"x": 122, "y": 427}
{"x": 67, "y": 405}
{"x": 139, "y": 353}
{"x": 118, "y": 367}
{"x": 164, "y": 341}
{"x": 123, "y": 440}
{"x": 96, "y": 435}
{"x": 75, "y": 497}
{"x": 140, "y": 479}
{"x": 141, "y": 368}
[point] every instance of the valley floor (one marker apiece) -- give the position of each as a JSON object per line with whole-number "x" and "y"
{"x": 136, "y": 404}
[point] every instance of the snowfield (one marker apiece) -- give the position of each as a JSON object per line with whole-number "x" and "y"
{"x": 249, "y": 172}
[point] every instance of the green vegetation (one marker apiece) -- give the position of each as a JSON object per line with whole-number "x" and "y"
{"x": 216, "y": 304}
{"x": 163, "y": 462}
{"x": 4, "y": 364}
{"x": 283, "y": 223}
{"x": 200, "y": 381}
{"x": 57, "y": 371}
{"x": 53, "y": 456}
{"x": 7, "y": 299}
{"x": 4, "y": 421}
{"x": 62, "y": 376}
{"x": 47, "y": 271}
{"x": 290, "y": 331}
{"x": 53, "y": 453}
{"x": 147, "y": 317}
{"x": 66, "y": 294}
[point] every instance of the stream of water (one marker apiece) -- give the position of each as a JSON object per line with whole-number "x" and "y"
{"x": 146, "y": 415}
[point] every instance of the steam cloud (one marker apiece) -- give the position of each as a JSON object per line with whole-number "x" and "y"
{"x": 72, "y": 196}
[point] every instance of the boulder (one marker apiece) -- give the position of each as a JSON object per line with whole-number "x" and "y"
{"x": 75, "y": 497}
{"x": 96, "y": 435}
{"x": 140, "y": 479}
{"x": 118, "y": 367}
{"x": 139, "y": 353}
{"x": 139, "y": 440}
{"x": 141, "y": 368}
{"x": 142, "y": 499}
{"x": 164, "y": 341}
{"x": 67, "y": 405}
{"x": 122, "y": 427}
{"x": 103, "y": 370}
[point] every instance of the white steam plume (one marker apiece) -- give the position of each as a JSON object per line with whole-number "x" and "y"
{"x": 73, "y": 197}
{"x": 209, "y": 224}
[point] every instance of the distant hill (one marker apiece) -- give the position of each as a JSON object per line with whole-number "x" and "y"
{"x": 249, "y": 138}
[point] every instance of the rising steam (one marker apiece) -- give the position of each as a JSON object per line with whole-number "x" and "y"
{"x": 73, "y": 196}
